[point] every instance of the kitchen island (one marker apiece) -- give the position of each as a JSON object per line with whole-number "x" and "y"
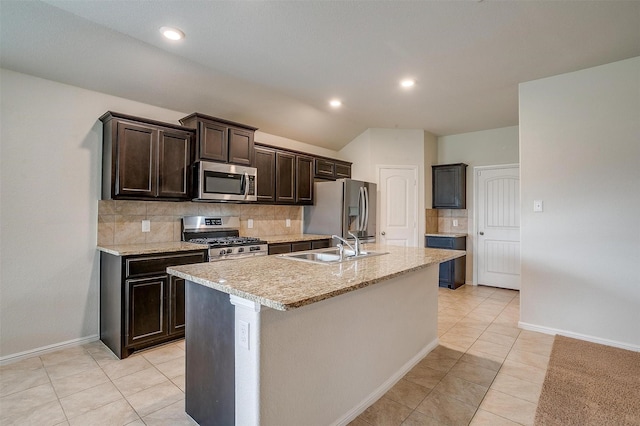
{"x": 275, "y": 341}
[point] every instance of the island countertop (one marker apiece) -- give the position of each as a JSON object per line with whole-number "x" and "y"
{"x": 286, "y": 284}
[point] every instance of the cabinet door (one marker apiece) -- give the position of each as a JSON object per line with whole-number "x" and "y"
{"x": 136, "y": 166}
{"x": 285, "y": 177}
{"x": 176, "y": 305}
{"x": 343, "y": 170}
{"x": 266, "y": 181}
{"x": 174, "y": 160}
{"x": 449, "y": 186}
{"x": 304, "y": 180}
{"x": 145, "y": 314}
{"x": 213, "y": 141}
{"x": 325, "y": 169}
{"x": 240, "y": 146}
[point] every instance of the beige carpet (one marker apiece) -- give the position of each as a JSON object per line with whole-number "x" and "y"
{"x": 590, "y": 384}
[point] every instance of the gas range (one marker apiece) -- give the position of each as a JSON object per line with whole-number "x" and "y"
{"x": 221, "y": 234}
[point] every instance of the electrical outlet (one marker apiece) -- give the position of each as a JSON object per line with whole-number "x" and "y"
{"x": 250, "y": 223}
{"x": 455, "y": 222}
{"x": 146, "y": 226}
{"x": 288, "y": 223}
{"x": 537, "y": 206}
{"x": 243, "y": 334}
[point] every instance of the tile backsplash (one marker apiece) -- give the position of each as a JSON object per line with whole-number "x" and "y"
{"x": 120, "y": 221}
{"x": 442, "y": 220}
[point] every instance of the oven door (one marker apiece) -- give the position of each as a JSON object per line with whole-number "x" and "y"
{"x": 225, "y": 182}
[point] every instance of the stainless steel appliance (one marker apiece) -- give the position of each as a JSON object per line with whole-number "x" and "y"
{"x": 343, "y": 206}
{"x": 222, "y": 236}
{"x": 224, "y": 182}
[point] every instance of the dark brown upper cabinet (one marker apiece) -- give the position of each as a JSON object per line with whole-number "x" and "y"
{"x": 328, "y": 169}
{"x": 285, "y": 177}
{"x": 221, "y": 140}
{"x": 449, "y": 186}
{"x": 304, "y": 179}
{"x": 145, "y": 159}
{"x": 265, "y": 162}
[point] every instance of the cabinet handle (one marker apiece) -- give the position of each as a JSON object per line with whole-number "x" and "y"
{"x": 383, "y": 233}
{"x": 481, "y": 233}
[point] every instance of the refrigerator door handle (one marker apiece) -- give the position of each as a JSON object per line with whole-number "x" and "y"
{"x": 361, "y": 209}
{"x": 366, "y": 210}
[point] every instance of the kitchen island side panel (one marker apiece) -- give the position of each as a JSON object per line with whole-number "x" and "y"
{"x": 210, "y": 356}
{"x": 326, "y": 362}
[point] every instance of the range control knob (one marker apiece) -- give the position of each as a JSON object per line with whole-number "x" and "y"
{"x": 229, "y": 251}
{"x": 240, "y": 250}
{"x": 222, "y": 252}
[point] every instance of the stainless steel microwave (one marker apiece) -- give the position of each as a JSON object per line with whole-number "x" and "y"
{"x": 224, "y": 182}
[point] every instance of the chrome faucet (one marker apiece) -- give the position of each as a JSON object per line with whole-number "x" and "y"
{"x": 345, "y": 242}
{"x": 356, "y": 249}
{"x": 357, "y": 243}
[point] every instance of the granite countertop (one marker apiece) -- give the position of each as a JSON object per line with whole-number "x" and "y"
{"x": 150, "y": 248}
{"x": 285, "y": 284}
{"x": 273, "y": 239}
{"x": 445, "y": 235}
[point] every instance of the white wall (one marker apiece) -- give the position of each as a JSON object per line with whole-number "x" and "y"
{"x": 389, "y": 147}
{"x": 50, "y": 162}
{"x": 483, "y": 148}
{"x": 580, "y": 154}
{"x": 287, "y": 143}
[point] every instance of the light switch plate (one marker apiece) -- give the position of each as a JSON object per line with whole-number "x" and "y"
{"x": 537, "y": 206}
{"x": 250, "y": 223}
{"x": 146, "y": 226}
{"x": 288, "y": 223}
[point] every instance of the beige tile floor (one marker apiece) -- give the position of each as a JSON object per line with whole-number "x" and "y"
{"x": 485, "y": 372}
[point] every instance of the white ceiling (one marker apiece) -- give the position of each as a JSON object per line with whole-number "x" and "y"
{"x": 275, "y": 64}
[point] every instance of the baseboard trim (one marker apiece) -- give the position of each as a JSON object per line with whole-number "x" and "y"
{"x": 388, "y": 384}
{"x": 8, "y": 359}
{"x": 579, "y": 336}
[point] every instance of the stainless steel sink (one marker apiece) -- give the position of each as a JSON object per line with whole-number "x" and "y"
{"x": 329, "y": 256}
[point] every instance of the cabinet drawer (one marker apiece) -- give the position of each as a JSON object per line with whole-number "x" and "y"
{"x": 279, "y": 248}
{"x": 453, "y": 243}
{"x": 138, "y": 266}
{"x": 319, "y": 244}
{"x": 300, "y": 246}
{"x": 440, "y": 242}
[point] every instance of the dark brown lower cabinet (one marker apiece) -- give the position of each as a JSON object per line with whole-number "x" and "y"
{"x": 281, "y": 248}
{"x": 452, "y": 273}
{"x": 140, "y": 304}
{"x": 177, "y": 309}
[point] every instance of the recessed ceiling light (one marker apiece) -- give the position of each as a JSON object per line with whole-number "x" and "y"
{"x": 335, "y": 103}
{"x": 408, "y": 82}
{"x": 172, "y": 33}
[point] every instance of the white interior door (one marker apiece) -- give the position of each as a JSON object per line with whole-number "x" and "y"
{"x": 398, "y": 205}
{"x": 498, "y": 226}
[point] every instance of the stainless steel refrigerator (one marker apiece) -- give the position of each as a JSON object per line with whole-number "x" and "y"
{"x": 342, "y": 206}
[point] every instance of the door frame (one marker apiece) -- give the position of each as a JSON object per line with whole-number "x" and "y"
{"x": 475, "y": 210}
{"x": 416, "y": 174}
